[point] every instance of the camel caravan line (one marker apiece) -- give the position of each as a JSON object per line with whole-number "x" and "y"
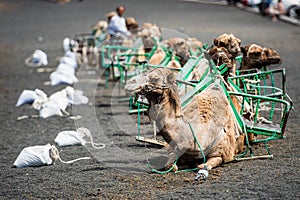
{"x": 211, "y": 104}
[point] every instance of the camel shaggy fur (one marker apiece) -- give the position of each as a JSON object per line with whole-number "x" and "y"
{"x": 207, "y": 119}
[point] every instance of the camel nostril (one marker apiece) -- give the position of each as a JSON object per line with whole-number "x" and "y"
{"x": 132, "y": 81}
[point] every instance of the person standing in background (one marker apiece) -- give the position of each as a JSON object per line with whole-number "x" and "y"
{"x": 276, "y": 10}
{"x": 117, "y": 25}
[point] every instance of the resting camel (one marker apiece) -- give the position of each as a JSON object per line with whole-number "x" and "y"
{"x": 182, "y": 47}
{"x": 230, "y": 42}
{"x": 206, "y": 120}
{"x": 150, "y": 34}
{"x": 255, "y": 56}
{"x": 132, "y": 25}
{"x": 220, "y": 55}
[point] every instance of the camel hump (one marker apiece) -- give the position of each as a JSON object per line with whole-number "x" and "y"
{"x": 208, "y": 106}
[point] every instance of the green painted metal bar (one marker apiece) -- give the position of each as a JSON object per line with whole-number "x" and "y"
{"x": 139, "y": 120}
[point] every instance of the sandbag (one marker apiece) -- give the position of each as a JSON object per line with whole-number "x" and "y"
{"x": 37, "y": 59}
{"x": 34, "y": 156}
{"x": 26, "y": 97}
{"x": 69, "y": 138}
{"x": 62, "y": 78}
{"x": 65, "y": 69}
{"x": 49, "y": 109}
{"x": 76, "y": 97}
{"x": 64, "y": 74}
{"x": 39, "y": 54}
{"x": 61, "y": 99}
{"x": 68, "y": 43}
{"x": 69, "y": 61}
{"x": 71, "y": 54}
{"x": 40, "y": 155}
{"x": 40, "y": 99}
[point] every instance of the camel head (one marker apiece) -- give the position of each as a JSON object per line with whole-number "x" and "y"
{"x": 150, "y": 34}
{"x": 179, "y": 47}
{"x": 160, "y": 89}
{"x": 132, "y": 25}
{"x": 193, "y": 43}
{"x": 270, "y": 56}
{"x": 255, "y": 56}
{"x": 230, "y": 42}
{"x": 220, "y": 55}
{"x": 153, "y": 82}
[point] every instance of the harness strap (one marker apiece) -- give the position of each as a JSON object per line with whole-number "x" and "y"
{"x": 197, "y": 141}
{"x": 166, "y": 171}
{"x": 174, "y": 164}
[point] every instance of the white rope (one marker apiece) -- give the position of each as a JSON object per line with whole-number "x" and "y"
{"x": 54, "y": 154}
{"x": 89, "y": 135}
{"x": 29, "y": 63}
{"x": 96, "y": 145}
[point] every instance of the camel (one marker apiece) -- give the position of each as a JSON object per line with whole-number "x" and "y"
{"x": 220, "y": 55}
{"x": 132, "y": 25}
{"x": 230, "y": 42}
{"x": 150, "y": 34}
{"x": 205, "y": 128}
{"x": 182, "y": 47}
{"x": 255, "y": 56}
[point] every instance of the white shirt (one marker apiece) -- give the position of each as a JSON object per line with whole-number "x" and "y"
{"x": 117, "y": 26}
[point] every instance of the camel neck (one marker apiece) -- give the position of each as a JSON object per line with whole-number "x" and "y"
{"x": 165, "y": 108}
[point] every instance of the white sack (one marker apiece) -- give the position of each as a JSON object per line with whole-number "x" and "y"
{"x": 49, "y": 109}
{"x": 40, "y": 99}
{"x": 61, "y": 78}
{"x": 65, "y": 69}
{"x": 34, "y": 156}
{"x": 76, "y": 97}
{"x": 69, "y": 61}
{"x": 69, "y": 138}
{"x": 37, "y": 59}
{"x": 26, "y": 97}
{"x": 71, "y": 54}
{"x": 61, "y": 99}
{"x": 68, "y": 43}
{"x": 40, "y": 155}
{"x": 41, "y": 55}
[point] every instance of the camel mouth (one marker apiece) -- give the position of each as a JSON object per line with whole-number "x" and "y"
{"x": 132, "y": 91}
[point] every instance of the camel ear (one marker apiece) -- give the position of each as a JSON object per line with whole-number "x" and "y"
{"x": 244, "y": 51}
{"x": 239, "y": 41}
{"x": 171, "y": 78}
{"x": 216, "y": 42}
{"x": 266, "y": 52}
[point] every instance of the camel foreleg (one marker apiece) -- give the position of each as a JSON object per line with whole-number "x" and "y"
{"x": 211, "y": 163}
{"x": 172, "y": 158}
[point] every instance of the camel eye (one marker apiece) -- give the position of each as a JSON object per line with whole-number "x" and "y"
{"x": 154, "y": 79}
{"x": 267, "y": 53}
{"x": 222, "y": 44}
{"x": 256, "y": 53}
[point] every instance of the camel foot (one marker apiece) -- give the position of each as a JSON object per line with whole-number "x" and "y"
{"x": 204, "y": 166}
{"x": 175, "y": 168}
{"x": 211, "y": 163}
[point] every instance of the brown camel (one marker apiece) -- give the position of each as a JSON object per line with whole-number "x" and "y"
{"x": 230, "y": 42}
{"x": 205, "y": 128}
{"x": 182, "y": 47}
{"x": 220, "y": 55}
{"x": 255, "y": 56}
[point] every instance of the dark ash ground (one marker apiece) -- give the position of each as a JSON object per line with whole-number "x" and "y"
{"x": 21, "y": 24}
